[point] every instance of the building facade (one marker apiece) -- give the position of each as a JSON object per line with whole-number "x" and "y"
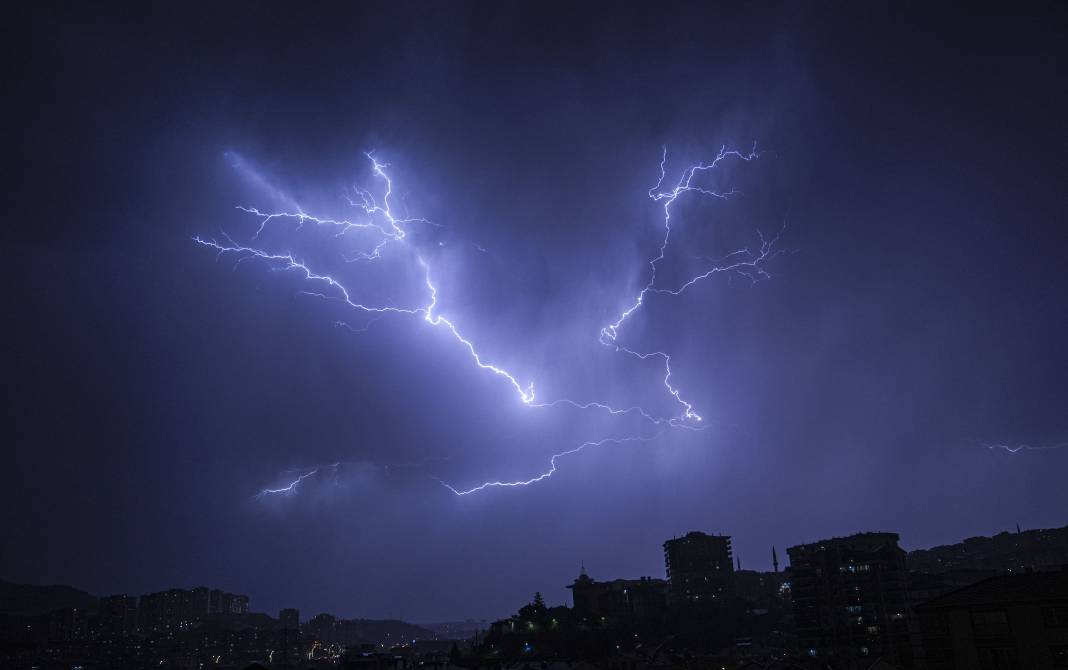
{"x": 642, "y": 599}
{"x": 178, "y": 608}
{"x": 1010, "y": 622}
{"x": 289, "y": 618}
{"x": 699, "y": 569}
{"x": 117, "y": 616}
{"x": 851, "y": 600}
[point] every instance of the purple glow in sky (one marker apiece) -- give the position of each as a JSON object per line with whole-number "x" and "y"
{"x": 386, "y": 228}
{"x": 889, "y": 376}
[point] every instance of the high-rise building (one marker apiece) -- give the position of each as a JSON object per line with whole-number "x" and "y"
{"x": 238, "y": 603}
{"x": 851, "y": 600}
{"x": 175, "y": 605}
{"x": 164, "y": 610}
{"x": 179, "y": 608}
{"x": 200, "y": 602}
{"x": 117, "y": 616}
{"x": 220, "y": 602}
{"x": 699, "y": 569}
{"x": 215, "y": 601}
{"x": 68, "y": 624}
{"x": 289, "y": 618}
{"x": 149, "y": 612}
{"x": 289, "y": 637}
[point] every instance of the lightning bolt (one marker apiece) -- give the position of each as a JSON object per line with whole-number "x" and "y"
{"x": 335, "y": 469}
{"x": 392, "y": 229}
{"x": 742, "y": 261}
{"x": 388, "y": 229}
{"x": 291, "y": 487}
{"x": 552, "y": 465}
{"x": 526, "y": 394}
{"x": 1017, "y": 448}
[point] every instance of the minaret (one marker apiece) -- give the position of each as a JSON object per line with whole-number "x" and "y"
{"x": 738, "y": 559}
{"x": 774, "y": 559}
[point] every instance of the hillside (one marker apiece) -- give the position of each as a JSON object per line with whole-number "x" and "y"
{"x": 31, "y": 599}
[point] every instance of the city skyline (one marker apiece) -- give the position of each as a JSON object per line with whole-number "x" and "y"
{"x": 924, "y": 559}
{"x": 858, "y": 602}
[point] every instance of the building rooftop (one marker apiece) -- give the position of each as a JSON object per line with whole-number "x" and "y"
{"x": 1025, "y": 588}
{"x": 861, "y": 541}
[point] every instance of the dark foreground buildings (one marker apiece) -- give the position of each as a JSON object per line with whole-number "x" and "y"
{"x": 118, "y": 616}
{"x": 856, "y": 602}
{"x": 851, "y": 600}
{"x": 641, "y": 600}
{"x": 992, "y": 603}
{"x": 1011, "y": 622}
{"x": 1039, "y": 549}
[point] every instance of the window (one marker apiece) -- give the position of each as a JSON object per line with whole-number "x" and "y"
{"x": 1060, "y": 656}
{"x": 990, "y": 622}
{"x": 1055, "y": 616}
{"x": 998, "y": 658}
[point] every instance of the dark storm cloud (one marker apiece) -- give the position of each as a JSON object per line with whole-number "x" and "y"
{"x": 153, "y": 391}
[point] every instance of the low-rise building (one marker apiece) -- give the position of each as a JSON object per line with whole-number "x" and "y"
{"x": 1008, "y": 622}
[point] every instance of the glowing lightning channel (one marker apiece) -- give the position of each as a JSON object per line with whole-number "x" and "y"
{"x": 291, "y": 488}
{"x": 525, "y": 394}
{"x": 743, "y": 261}
{"x": 1017, "y": 448}
{"x": 391, "y": 229}
{"x": 746, "y": 262}
{"x": 288, "y": 262}
{"x": 552, "y": 466}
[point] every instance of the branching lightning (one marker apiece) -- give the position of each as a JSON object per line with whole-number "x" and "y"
{"x": 742, "y": 261}
{"x": 387, "y": 229}
{"x": 393, "y": 230}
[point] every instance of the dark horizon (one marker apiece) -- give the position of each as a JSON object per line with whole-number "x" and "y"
{"x": 901, "y": 367}
{"x": 924, "y": 566}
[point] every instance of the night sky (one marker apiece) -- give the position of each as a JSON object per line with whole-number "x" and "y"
{"x": 914, "y": 163}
